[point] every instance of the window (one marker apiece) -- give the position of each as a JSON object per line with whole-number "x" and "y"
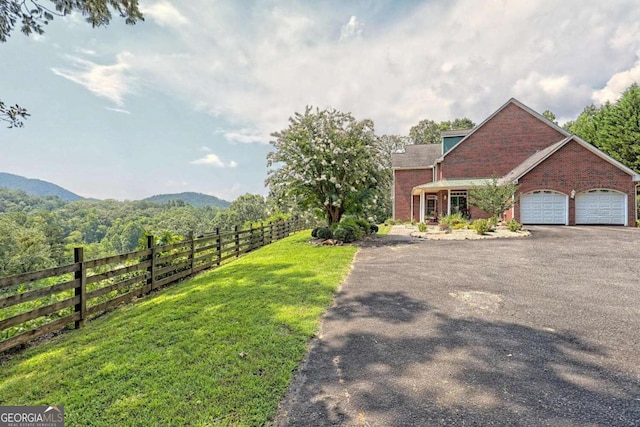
{"x": 459, "y": 202}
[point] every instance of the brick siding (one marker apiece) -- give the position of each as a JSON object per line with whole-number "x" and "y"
{"x": 501, "y": 144}
{"x": 405, "y": 180}
{"x": 574, "y": 167}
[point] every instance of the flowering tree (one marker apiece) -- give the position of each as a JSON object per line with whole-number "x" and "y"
{"x": 327, "y": 160}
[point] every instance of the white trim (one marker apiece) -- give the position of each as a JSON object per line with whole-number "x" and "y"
{"x": 421, "y": 216}
{"x": 411, "y": 213}
{"x": 412, "y": 168}
{"x": 393, "y": 197}
{"x": 449, "y": 201}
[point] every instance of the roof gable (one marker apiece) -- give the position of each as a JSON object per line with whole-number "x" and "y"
{"x": 520, "y": 105}
{"x": 529, "y": 164}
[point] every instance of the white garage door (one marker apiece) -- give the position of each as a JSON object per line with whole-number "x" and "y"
{"x": 543, "y": 207}
{"x": 601, "y": 207}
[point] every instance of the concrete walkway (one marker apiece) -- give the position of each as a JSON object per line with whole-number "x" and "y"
{"x": 535, "y": 331}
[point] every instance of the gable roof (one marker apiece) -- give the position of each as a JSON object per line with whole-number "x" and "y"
{"x": 505, "y": 105}
{"x": 536, "y": 158}
{"x": 421, "y": 156}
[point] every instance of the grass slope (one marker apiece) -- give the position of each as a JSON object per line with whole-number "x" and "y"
{"x": 215, "y": 350}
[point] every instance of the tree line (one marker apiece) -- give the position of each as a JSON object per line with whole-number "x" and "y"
{"x": 41, "y": 232}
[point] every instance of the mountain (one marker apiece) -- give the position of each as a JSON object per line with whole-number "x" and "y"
{"x": 36, "y": 187}
{"x": 197, "y": 200}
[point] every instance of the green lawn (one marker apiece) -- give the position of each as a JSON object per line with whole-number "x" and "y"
{"x": 219, "y": 349}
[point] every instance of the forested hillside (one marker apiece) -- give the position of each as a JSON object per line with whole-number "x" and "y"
{"x": 36, "y": 187}
{"x": 41, "y": 232}
{"x": 198, "y": 200}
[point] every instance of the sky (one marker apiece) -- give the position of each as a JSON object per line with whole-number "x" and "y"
{"x": 188, "y": 99}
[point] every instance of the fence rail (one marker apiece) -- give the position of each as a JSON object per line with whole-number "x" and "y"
{"x": 40, "y": 302}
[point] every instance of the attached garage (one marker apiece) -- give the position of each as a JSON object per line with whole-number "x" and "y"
{"x": 544, "y": 207}
{"x": 601, "y": 207}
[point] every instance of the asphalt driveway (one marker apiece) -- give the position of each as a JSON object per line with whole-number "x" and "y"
{"x": 543, "y": 330}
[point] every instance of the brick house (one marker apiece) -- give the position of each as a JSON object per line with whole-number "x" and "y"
{"x": 562, "y": 179}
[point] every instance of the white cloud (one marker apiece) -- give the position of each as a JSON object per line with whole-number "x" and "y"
{"x": 617, "y": 84}
{"x": 247, "y": 136}
{"x": 213, "y": 160}
{"x": 205, "y": 148}
{"x": 165, "y": 14}
{"x": 118, "y": 110}
{"x": 351, "y": 29}
{"x": 108, "y": 81}
{"x": 436, "y": 60}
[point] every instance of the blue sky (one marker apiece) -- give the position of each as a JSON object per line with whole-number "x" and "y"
{"x": 186, "y": 100}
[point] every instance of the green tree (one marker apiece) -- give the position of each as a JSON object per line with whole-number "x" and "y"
{"x": 494, "y": 198}
{"x": 587, "y": 124}
{"x": 390, "y": 144}
{"x": 457, "y": 124}
{"x": 30, "y": 16}
{"x": 619, "y": 132}
{"x": 549, "y": 116}
{"x": 425, "y": 132}
{"x": 327, "y": 160}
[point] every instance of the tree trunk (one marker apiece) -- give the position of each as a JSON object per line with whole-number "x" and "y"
{"x": 333, "y": 215}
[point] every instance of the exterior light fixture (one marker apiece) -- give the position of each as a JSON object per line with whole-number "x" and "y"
{"x": 573, "y": 194}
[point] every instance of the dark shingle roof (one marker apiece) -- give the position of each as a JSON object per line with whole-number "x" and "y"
{"x": 416, "y": 156}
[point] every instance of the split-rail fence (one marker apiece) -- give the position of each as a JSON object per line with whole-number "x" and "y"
{"x": 41, "y": 302}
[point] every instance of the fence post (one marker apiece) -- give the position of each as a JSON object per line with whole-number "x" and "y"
{"x": 218, "y": 247}
{"x": 81, "y": 290}
{"x": 261, "y": 234}
{"x": 251, "y": 242}
{"x": 193, "y": 251}
{"x": 151, "y": 269}
{"x": 237, "y": 240}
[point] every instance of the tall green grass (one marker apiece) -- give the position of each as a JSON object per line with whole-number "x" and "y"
{"x": 219, "y": 349}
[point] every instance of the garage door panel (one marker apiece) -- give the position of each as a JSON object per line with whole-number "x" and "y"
{"x": 601, "y": 207}
{"x": 543, "y": 207}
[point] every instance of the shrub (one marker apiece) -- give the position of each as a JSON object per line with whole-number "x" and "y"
{"x": 460, "y": 225}
{"x": 314, "y": 232}
{"x": 373, "y": 229}
{"x": 345, "y": 233}
{"x": 365, "y": 225}
{"x": 389, "y": 221}
{"x": 422, "y": 227}
{"x": 481, "y": 226}
{"x": 353, "y": 223}
{"x": 514, "y": 225}
{"x": 324, "y": 233}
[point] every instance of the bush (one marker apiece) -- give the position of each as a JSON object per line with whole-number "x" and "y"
{"x": 324, "y": 233}
{"x": 373, "y": 229}
{"x": 314, "y": 232}
{"x": 422, "y": 227}
{"x": 357, "y": 230}
{"x": 345, "y": 233}
{"x": 514, "y": 225}
{"x": 481, "y": 226}
{"x": 389, "y": 221}
{"x": 364, "y": 225}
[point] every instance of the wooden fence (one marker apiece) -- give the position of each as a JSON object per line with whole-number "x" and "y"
{"x": 40, "y": 302}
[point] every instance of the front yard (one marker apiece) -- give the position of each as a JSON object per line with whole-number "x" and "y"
{"x": 217, "y": 349}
